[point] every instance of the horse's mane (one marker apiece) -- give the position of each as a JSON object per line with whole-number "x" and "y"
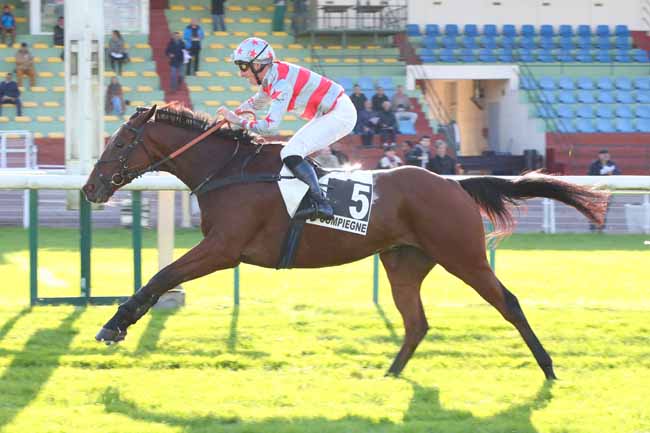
{"x": 176, "y": 114}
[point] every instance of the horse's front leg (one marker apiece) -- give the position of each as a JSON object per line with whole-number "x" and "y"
{"x": 206, "y": 257}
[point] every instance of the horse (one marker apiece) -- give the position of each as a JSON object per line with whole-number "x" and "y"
{"x": 419, "y": 219}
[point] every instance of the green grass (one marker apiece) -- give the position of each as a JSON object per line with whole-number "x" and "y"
{"x": 307, "y": 350}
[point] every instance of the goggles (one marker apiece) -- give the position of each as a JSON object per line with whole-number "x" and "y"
{"x": 243, "y": 66}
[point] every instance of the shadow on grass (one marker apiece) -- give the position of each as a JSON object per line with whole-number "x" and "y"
{"x": 9, "y": 324}
{"x": 151, "y": 335}
{"x": 389, "y": 325}
{"x": 37, "y": 360}
{"x": 232, "y": 336}
{"x": 424, "y": 413}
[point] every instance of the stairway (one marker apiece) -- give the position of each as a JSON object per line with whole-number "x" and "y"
{"x": 158, "y": 39}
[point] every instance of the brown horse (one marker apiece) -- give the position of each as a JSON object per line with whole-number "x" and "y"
{"x": 418, "y": 220}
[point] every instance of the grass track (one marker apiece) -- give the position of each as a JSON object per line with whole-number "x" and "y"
{"x": 307, "y": 351}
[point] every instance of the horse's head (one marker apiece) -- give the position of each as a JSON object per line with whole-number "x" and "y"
{"x": 123, "y": 159}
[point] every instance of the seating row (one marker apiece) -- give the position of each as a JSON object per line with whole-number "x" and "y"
{"x": 600, "y": 125}
{"x": 586, "y": 111}
{"x": 533, "y": 56}
{"x": 585, "y": 83}
{"x": 526, "y": 42}
{"x": 592, "y": 97}
{"x": 511, "y": 30}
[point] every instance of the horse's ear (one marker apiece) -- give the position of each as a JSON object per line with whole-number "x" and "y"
{"x": 148, "y": 115}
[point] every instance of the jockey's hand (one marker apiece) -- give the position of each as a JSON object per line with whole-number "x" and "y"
{"x": 229, "y": 116}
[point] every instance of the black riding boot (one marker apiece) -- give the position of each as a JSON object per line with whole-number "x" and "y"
{"x": 305, "y": 172}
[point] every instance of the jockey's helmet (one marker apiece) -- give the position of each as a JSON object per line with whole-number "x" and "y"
{"x": 253, "y": 50}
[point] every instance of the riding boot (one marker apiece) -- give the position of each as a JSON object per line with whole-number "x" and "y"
{"x": 306, "y": 173}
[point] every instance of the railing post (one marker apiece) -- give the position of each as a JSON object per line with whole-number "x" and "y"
{"x": 33, "y": 246}
{"x": 136, "y": 237}
{"x": 84, "y": 224}
{"x": 236, "y": 285}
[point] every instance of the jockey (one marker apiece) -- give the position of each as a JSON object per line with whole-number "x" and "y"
{"x": 285, "y": 87}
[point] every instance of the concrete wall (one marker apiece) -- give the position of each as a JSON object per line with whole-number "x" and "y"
{"x": 520, "y": 12}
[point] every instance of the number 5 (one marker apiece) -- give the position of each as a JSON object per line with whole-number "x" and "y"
{"x": 360, "y": 194}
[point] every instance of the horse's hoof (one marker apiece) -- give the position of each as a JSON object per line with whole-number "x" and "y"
{"x": 110, "y": 336}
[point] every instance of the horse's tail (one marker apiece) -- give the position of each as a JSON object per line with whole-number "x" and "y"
{"x": 493, "y": 195}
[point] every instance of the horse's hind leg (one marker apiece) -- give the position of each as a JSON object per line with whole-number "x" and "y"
{"x": 406, "y": 267}
{"x": 483, "y": 280}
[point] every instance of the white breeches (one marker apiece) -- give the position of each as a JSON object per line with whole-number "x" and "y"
{"x": 324, "y": 130}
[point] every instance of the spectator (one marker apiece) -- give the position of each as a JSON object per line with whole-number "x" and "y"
{"x": 326, "y": 158}
{"x": 25, "y": 65}
{"x": 390, "y": 159}
{"x": 174, "y": 52}
{"x": 340, "y": 155}
{"x": 218, "y": 16}
{"x": 420, "y": 154}
{"x": 193, "y": 35}
{"x": 387, "y": 125}
{"x": 442, "y": 163}
{"x": 603, "y": 166}
{"x": 378, "y": 99}
{"x": 114, "y": 101}
{"x": 8, "y": 25}
{"x": 368, "y": 120}
{"x": 59, "y": 35}
{"x": 10, "y": 94}
{"x": 280, "y": 7}
{"x": 358, "y": 99}
{"x": 402, "y": 106}
{"x": 117, "y": 52}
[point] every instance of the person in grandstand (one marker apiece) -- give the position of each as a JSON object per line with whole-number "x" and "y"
{"x": 285, "y": 87}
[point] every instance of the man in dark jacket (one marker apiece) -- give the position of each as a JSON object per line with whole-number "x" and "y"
{"x": 420, "y": 154}
{"x": 442, "y": 163}
{"x": 174, "y": 52}
{"x": 387, "y": 125}
{"x": 10, "y": 94}
{"x": 378, "y": 99}
{"x": 59, "y": 35}
{"x": 359, "y": 100}
{"x": 368, "y": 121}
{"x": 603, "y": 166}
{"x": 218, "y": 16}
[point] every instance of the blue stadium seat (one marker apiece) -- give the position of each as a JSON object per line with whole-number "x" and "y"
{"x": 547, "y": 96}
{"x": 605, "y": 97}
{"x": 623, "y": 43}
{"x": 527, "y": 43}
{"x": 366, "y": 84}
{"x": 621, "y": 30}
{"x": 490, "y": 30}
{"x": 585, "y": 111}
{"x": 622, "y": 56}
{"x": 567, "y": 97}
{"x": 605, "y": 83}
{"x": 643, "y": 125}
{"x": 545, "y": 111}
{"x": 584, "y": 43}
{"x": 468, "y": 56}
{"x": 642, "y": 83}
{"x": 387, "y": 83}
{"x": 585, "y": 83}
{"x": 566, "y": 43}
{"x": 547, "y": 43}
{"x": 346, "y": 82}
{"x": 624, "y": 112}
{"x": 449, "y": 42}
{"x": 426, "y": 52}
{"x": 470, "y": 30}
{"x": 585, "y": 125}
{"x": 546, "y": 83}
{"x": 509, "y": 30}
{"x": 545, "y": 56}
{"x": 566, "y": 126}
{"x": 605, "y": 125}
{"x": 586, "y": 97}
{"x": 565, "y": 111}
{"x": 432, "y": 30}
{"x": 447, "y": 55}
{"x": 584, "y": 30}
{"x": 406, "y": 126}
{"x": 643, "y": 111}
{"x": 546, "y": 30}
{"x": 489, "y": 42}
{"x": 412, "y": 30}
{"x": 603, "y": 42}
{"x": 584, "y": 56}
{"x": 566, "y": 30}
{"x": 624, "y": 97}
{"x": 564, "y": 56}
{"x": 451, "y": 30}
{"x": 605, "y": 112}
{"x": 487, "y": 56}
{"x": 603, "y": 56}
{"x": 526, "y": 56}
{"x": 508, "y": 42}
{"x": 528, "y": 30}
{"x": 623, "y": 83}
{"x": 566, "y": 83}
{"x": 527, "y": 83}
{"x": 602, "y": 30}
{"x": 639, "y": 56}
{"x": 506, "y": 56}
{"x": 469, "y": 42}
{"x": 430, "y": 42}
{"x": 624, "y": 125}
{"x": 429, "y": 58}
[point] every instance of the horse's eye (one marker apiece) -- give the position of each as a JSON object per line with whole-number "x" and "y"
{"x": 119, "y": 144}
